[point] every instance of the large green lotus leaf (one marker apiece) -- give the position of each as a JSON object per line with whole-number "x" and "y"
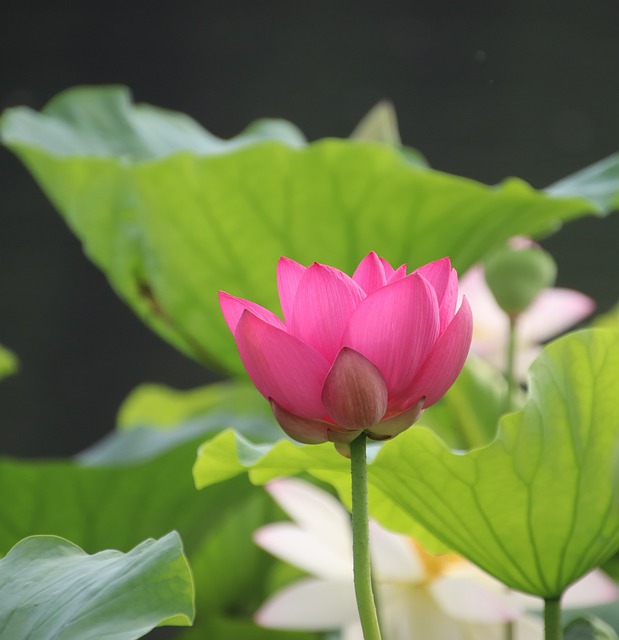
{"x": 8, "y": 362}
{"x": 171, "y": 214}
{"x": 50, "y": 589}
{"x": 229, "y": 454}
{"x": 534, "y": 508}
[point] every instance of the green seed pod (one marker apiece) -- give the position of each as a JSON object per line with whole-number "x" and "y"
{"x": 516, "y": 277}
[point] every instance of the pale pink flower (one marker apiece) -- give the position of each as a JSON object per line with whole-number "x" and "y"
{"x": 554, "y": 311}
{"x": 361, "y": 353}
{"x": 420, "y": 596}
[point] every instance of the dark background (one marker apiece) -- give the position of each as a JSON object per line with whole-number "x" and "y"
{"x": 485, "y": 89}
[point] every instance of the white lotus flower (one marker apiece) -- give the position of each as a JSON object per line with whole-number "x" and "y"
{"x": 554, "y": 311}
{"x": 420, "y": 596}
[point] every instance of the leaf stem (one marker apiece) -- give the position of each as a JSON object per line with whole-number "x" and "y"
{"x": 510, "y": 373}
{"x": 361, "y": 540}
{"x": 552, "y": 619}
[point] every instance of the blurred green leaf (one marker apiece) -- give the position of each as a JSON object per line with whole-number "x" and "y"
{"x": 598, "y": 183}
{"x": 8, "y": 362}
{"x": 137, "y": 484}
{"x": 534, "y": 508}
{"x": 160, "y": 406}
{"x": 468, "y": 415}
{"x": 171, "y": 213}
{"x": 52, "y": 590}
{"x": 589, "y": 629}
{"x": 380, "y": 124}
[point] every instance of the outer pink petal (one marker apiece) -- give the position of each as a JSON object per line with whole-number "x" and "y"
{"x": 445, "y": 362}
{"x": 395, "y": 328}
{"x": 438, "y": 274}
{"x": 395, "y": 425}
{"x": 354, "y": 392}
{"x": 233, "y": 307}
{"x": 289, "y": 273}
{"x": 553, "y": 312}
{"x": 447, "y": 306}
{"x": 304, "y": 430}
{"x": 370, "y": 274}
{"x": 325, "y": 300}
{"x": 281, "y": 366}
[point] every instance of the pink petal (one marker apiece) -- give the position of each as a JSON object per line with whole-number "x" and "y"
{"x": 447, "y": 306}
{"x": 445, "y": 362}
{"x": 354, "y": 392}
{"x": 324, "y": 302}
{"x": 370, "y": 274}
{"x": 233, "y": 307}
{"x": 594, "y": 589}
{"x": 391, "y": 427}
{"x": 289, "y": 273}
{"x": 438, "y": 274}
{"x": 553, "y": 312}
{"x": 395, "y": 328}
{"x": 281, "y": 366}
{"x": 470, "y": 600}
{"x": 304, "y": 430}
{"x": 398, "y": 274}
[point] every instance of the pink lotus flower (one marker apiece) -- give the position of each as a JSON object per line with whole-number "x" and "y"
{"x": 366, "y": 353}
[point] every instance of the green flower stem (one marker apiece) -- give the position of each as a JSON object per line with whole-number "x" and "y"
{"x": 510, "y": 373}
{"x": 361, "y": 540}
{"x": 552, "y": 619}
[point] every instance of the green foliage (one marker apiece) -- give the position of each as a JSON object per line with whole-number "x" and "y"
{"x": 468, "y": 415}
{"x": 589, "y": 629}
{"x": 52, "y": 590}
{"x": 171, "y": 213}
{"x": 8, "y": 362}
{"x": 534, "y": 508}
{"x": 137, "y": 484}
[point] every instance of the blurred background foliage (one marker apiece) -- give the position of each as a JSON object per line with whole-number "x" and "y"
{"x": 484, "y": 89}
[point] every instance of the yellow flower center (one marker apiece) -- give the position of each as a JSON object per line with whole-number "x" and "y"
{"x": 436, "y": 565}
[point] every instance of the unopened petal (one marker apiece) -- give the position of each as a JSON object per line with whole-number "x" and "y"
{"x": 289, "y": 273}
{"x": 304, "y": 550}
{"x": 354, "y": 392}
{"x": 395, "y": 328}
{"x": 370, "y": 274}
{"x": 397, "y": 274}
{"x": 281, "y": 366}
{"x": 395, "y": 425}
{"x": 233, "y": 307}
{"x": 325, "y": 300}
{"x": 445, "y": 362}
{"x": 304, "y": 430}
{"x": 311, "y": 605}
